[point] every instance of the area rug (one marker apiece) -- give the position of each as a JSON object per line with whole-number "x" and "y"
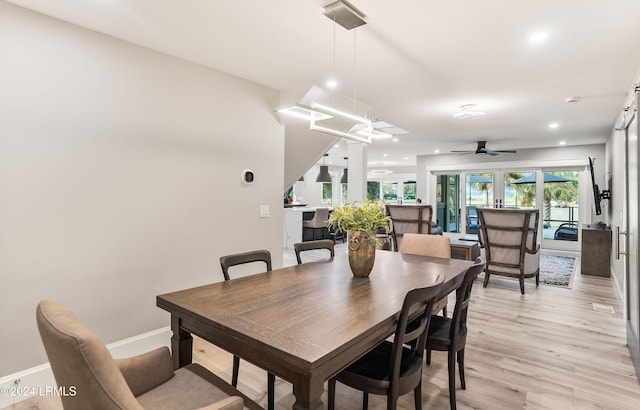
{"x": 557, "y": 270}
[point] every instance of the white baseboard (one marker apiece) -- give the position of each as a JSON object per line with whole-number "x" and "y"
{"x": 39, "y": 379}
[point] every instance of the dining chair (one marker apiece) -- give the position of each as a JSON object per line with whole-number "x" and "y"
{"x": 319, "y": 221}
{"x": 83, "y": 366}
{"x": 313, "y": 245}
{"x": 394, "y": 368}
{"x": 428, "y": 245}
{"x": 450, "y": 334}
{"x": 227, "y": 262}
{"x": 510, "y": 241}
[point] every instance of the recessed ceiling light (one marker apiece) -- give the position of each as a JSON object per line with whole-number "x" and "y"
{"x": 436, "y": 151}
{"x": 332, "y": 83}
{"x": 406, "y": 158}
{"x": 385, "y": 155}
{"x": 554, "y": 125}
{"x": 538, "y": 37}
{"x": 468, "y": 111}
{"x": 562, "y": 143}
{"x": 395, "y": 140}
{"x": 336, "y": 146}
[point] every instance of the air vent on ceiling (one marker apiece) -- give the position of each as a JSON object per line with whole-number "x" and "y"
{"x": 345, "y": 14}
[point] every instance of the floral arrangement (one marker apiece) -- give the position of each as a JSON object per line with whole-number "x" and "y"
{"x": 366, "y": 216}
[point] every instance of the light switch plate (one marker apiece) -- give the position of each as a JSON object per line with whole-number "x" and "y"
{"x": 264, "y": 211}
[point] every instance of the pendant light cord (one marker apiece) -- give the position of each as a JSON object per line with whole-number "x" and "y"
{"x": 355, "y": 30}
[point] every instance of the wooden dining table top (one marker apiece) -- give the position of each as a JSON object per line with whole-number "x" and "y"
{"x": 307, "y": 321}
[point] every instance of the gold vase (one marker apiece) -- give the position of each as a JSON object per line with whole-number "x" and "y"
{"x": 362, "y": 254}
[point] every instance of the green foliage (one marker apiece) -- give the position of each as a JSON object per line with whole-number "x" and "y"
{"x": 367, "y": 216}
{"x": 373, "y": 190}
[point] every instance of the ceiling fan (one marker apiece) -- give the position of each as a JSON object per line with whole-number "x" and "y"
{"x": 482, "y": 149}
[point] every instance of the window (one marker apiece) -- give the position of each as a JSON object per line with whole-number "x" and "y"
{"x": 390, "y": 191}
{"x": 326, "y": 192}
{"x": 409, "y": 195}
{"x": 345, "y": 192}
{"x": 373, "y": 190}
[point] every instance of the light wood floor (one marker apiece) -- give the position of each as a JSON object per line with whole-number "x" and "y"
{"x": 547, "y": 349}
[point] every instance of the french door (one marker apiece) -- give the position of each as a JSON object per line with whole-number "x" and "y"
{"x": 554, "y": 191}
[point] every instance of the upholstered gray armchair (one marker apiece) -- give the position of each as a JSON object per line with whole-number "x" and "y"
{"x": 509, "y": 238}
{"x": 409, "y": 219}
{"x": 82, "y": 364}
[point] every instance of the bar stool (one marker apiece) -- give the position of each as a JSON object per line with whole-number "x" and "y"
{"x": 319, "y": 221}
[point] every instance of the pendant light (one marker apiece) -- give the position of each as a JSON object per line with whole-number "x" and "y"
{"x": 323, "y": 175}
{"x": 345, "y": 175}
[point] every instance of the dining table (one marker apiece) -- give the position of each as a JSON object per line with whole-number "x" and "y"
{"x": 304, "y": 323}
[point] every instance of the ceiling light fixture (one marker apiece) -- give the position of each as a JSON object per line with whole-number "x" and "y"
{"x": 554, "y": 125}
{"x": 323, "y": 175}
{"x": 345, "y": 175}
{"x": 304, "y": 112}
{"x": 349, "y": 17}
{"x": 538, "y": 37}
{"x": 468, "y": 111}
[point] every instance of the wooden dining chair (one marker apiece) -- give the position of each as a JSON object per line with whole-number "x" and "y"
{"x": 227, "y": 262}
{"x": 313, "y": 245}
{"x": 428, "y": 245}
{"x": 394, "y": 368}
{"x": 450, "y": 334}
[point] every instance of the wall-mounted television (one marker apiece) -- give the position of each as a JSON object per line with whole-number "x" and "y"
{"x": 598, "y": 195}
{"x": 596, "y": 190}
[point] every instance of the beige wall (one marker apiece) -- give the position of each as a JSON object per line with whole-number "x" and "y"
{"x": 120, "y": 178}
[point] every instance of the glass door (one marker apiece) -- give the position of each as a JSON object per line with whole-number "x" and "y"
{"x": 478, "y": 192}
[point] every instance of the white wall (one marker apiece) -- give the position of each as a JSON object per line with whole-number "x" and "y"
{"x": 120, "y": 178}
{"x": 615, "y": 179}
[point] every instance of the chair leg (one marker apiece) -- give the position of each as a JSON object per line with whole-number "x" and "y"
{"x": 486, "y": 279}
{"x": 271, "y": 391}
{"x": 365, "y": 401}
{"x": 538, "y": 278}
{"x": 461, "y": 369}
{"x": 234, "y": 374}
{"x": 444, "y": 311}
{"x": 332, "y": 394}
{"x": 428, "y": 357}
{"x": 452, "y": 379}
{"x": 522, "y": 284}
{"x": 417, "y": 396}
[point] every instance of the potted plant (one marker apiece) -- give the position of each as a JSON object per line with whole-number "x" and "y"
{"x": 361, "y": 221}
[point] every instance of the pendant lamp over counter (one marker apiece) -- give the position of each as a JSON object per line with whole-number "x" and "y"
{"x": 345, "y": 176}
{"x": 323, "y": 175}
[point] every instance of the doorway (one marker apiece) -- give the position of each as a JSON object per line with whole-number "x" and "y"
{"x": 555, "y": 191}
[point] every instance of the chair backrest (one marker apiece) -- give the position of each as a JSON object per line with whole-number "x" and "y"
{"x": 463, "y": 295}
{"x": 312, "y": 245}
{"x": 81, "y": 362}
{"x": 320, "y": 218}
{"x": 426, "y": 245}
{"x": 409, "y": 219}
{"x": 245, "y": 257}
{"x": 416, "y": 312}
{"x": 509, "y": 237}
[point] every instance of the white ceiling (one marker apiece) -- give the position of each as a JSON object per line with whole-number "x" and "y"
{"x": 416, "y": 61}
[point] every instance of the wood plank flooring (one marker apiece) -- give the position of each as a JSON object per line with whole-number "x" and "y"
{"x": 547, "y": 349}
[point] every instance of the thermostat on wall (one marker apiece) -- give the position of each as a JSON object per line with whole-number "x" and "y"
{"x": 247, "y": 176}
